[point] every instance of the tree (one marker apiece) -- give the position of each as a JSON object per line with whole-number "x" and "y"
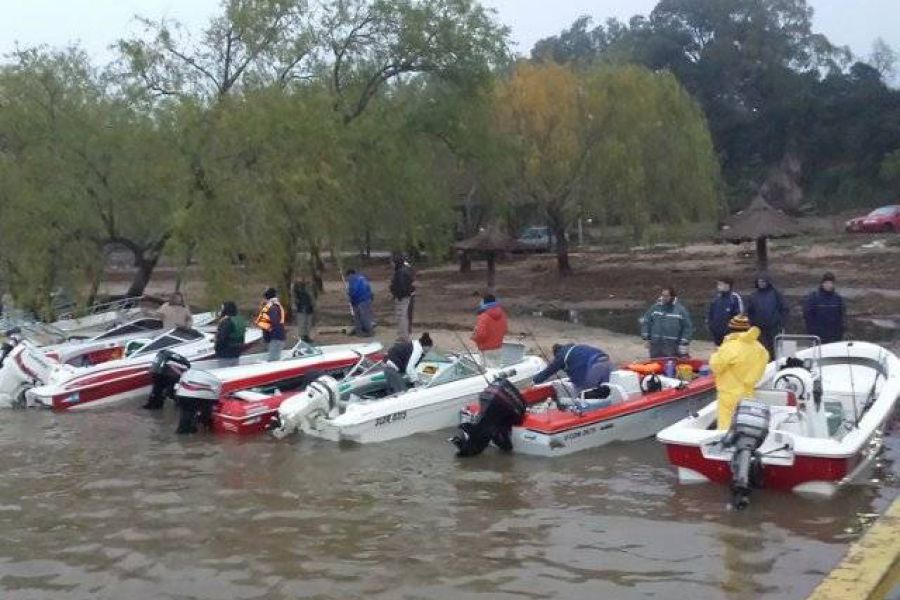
{"x": 622, "y": 141}
{"x": 883, "y": 59}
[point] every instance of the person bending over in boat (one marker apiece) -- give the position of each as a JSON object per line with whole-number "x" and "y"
{"x": 737, "y": 365}
{"x": 402, "y": 360}
{"x": 666, "y": 327}
{"x": 490, "y": 329}
{"x": 230, "y": 335}
{"x": 585, "y": 366}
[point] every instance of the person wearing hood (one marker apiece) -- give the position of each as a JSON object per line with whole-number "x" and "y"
{"x": 175, "y": 313}
{"x": 490, "y": 329}
{"x": 230, "y": 335}
{"x": 824, "y": 312}
{"x": 585, "y": 366}
{"x": 401, "y": 362}
{"x": 767, "y": 309}
{"x": 666, "y": 327}
{"x": 737, "y": 365}
{"x": 403, "y": 290}
{"x": 726, "y": 305}
{"x": 271, "y": 320}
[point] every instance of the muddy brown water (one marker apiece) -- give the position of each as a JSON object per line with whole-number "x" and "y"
{"x": 113, "y": 505}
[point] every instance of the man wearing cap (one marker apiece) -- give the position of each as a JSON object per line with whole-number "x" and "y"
{"x": 824, "y": 312}
{"x": 271, "y": 320}
{"x": 738, "y": 365}
{"x": 726, "y": 305}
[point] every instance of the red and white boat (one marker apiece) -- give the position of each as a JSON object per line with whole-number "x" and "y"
{"x": 813, "y": 425}
{"x": 549, "y": 420}
{"x": 247, "y": 396}
{"x": 44, "y": 382}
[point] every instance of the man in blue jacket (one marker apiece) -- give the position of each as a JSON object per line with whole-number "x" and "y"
{"x": 767, "y": 309}
{"x": 824, "y": 312}
{"x": 726, "y": 305}
{"x": 587, "y": 367}
{"x": 360, "y": 293}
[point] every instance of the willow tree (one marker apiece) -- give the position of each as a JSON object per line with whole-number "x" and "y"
{"x": 621, "y": 141}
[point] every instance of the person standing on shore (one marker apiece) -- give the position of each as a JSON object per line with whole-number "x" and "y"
{"x": 824, "y": 312}
{"x": 403, "y": 290}
{"x": 726, "y": 305}
{"x": 767, "y": 310}
{"x": 359, "y": 291}
{"x": 490, "y": 329}
{"x": 305, "y": 309}
{"x": 174, "y": 313}
{"x": 271, "y": 320}
{"x": 666, "y": 327}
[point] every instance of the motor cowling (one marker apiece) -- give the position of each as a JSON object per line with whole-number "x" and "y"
{"x": 300, "y": 410}
{"x": 749, "y": 429}
{"x": 501, "y": 407}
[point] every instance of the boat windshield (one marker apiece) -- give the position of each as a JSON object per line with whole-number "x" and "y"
{"x": 171, "y": 338}
{"x": 302, "y": 349}
{"x": 131, "y": 328}
{"x": 458, "y": 368}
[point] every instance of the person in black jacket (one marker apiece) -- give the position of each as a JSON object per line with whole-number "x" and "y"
{"x": 403, "y": 290}
{"x": 401, "y": 362}
{"x": 305, "y": 309}
{"x": 767, "y": 309}
{"x": 230, "y": 335}
{"x": 824, "y": 312}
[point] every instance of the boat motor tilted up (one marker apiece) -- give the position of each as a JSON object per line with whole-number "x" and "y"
{"x": 301, "y": 410}
{"x": 502, "y": 406}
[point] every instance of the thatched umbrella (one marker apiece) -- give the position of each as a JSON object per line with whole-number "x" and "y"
{"x": 759, "y": 221}
{"x": 490, "y": 242}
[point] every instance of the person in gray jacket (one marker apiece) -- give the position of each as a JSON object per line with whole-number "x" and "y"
{"x": 666, "y": 327}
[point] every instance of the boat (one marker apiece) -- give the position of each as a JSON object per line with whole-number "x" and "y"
{"x": 30, "y": 375}
{"x": 551, "y": 420}
{"x": 362, "y": 409}
{"x": 247, "y": 395}
{"x": 813, "y": 425}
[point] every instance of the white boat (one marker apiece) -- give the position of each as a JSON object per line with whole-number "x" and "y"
{"x": 27, "y": 374}
{"x": 813, "y": 425}
{"x": 361, "y": 410}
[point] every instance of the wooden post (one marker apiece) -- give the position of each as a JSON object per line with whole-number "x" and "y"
{"x": 491, "y": 271}
{"x": 762, "y": 253}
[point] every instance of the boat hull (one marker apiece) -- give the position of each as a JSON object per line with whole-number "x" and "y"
{"x": 640, "y": 424}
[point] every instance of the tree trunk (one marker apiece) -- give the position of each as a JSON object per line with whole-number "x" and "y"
{"x": 316, "y": 267}
{"x": 145, "y": 263}
{"x": 368, "y": 242}
{"x": 465, "y": 262}
{"x": 563, "y": 266}
{"x": 762, "y": 253}
{"x": 189, "y": 256}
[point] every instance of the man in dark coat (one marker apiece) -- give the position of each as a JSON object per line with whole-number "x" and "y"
{"x": 767, "y": 309}
{"x": 726, "y": 305}
{"x": 305, "y": 309}
{"x": 824, "y": 312}
{"x": 403, "y": 290}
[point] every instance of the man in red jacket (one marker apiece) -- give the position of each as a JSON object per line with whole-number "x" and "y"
{"x": 490, "y": 329}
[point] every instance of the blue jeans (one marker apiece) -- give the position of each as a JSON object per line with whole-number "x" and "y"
{"x": 597, "y": 374}
{"x": 362, "y": 318}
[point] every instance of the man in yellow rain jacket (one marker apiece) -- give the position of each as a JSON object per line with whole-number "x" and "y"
{"x": 738, "y": 365}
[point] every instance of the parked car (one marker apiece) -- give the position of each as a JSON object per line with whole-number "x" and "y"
{"x": 881, "y": 220}
{"x": 538, "y": 239}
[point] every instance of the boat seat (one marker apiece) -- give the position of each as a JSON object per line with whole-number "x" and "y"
{"x": 617, "y": 393}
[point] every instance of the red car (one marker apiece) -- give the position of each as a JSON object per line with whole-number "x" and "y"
{"x": 881, "y": 220}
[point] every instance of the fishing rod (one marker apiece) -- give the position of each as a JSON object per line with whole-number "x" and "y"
{"x": 481, "y": 368}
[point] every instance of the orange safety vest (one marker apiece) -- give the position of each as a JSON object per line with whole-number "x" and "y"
{"x": 263, "y": 320}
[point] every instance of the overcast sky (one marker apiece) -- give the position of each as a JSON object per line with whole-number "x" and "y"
{"x": 98, "y": 23}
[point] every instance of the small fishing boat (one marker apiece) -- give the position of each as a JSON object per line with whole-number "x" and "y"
{"x": 813, "y": 425}
{"x": 30, "y": 375}
{"x": 551, "y": 420}
{"x": 247, "y": 396}
{"x": 362, "y": 409}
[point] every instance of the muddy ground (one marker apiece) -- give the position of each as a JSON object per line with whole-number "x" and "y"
{"x": 614, "y": 279}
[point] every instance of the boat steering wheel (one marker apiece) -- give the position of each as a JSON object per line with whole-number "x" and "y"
{"x": 791, "y": 383}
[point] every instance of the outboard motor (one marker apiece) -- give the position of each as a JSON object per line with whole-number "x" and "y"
{"x": 502, "y": 406}
{"x": 165, "y": 372}
{"x": 12, "y": 340}
{"x": 748, "y": 431}
{"x": 300, "y": 410}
